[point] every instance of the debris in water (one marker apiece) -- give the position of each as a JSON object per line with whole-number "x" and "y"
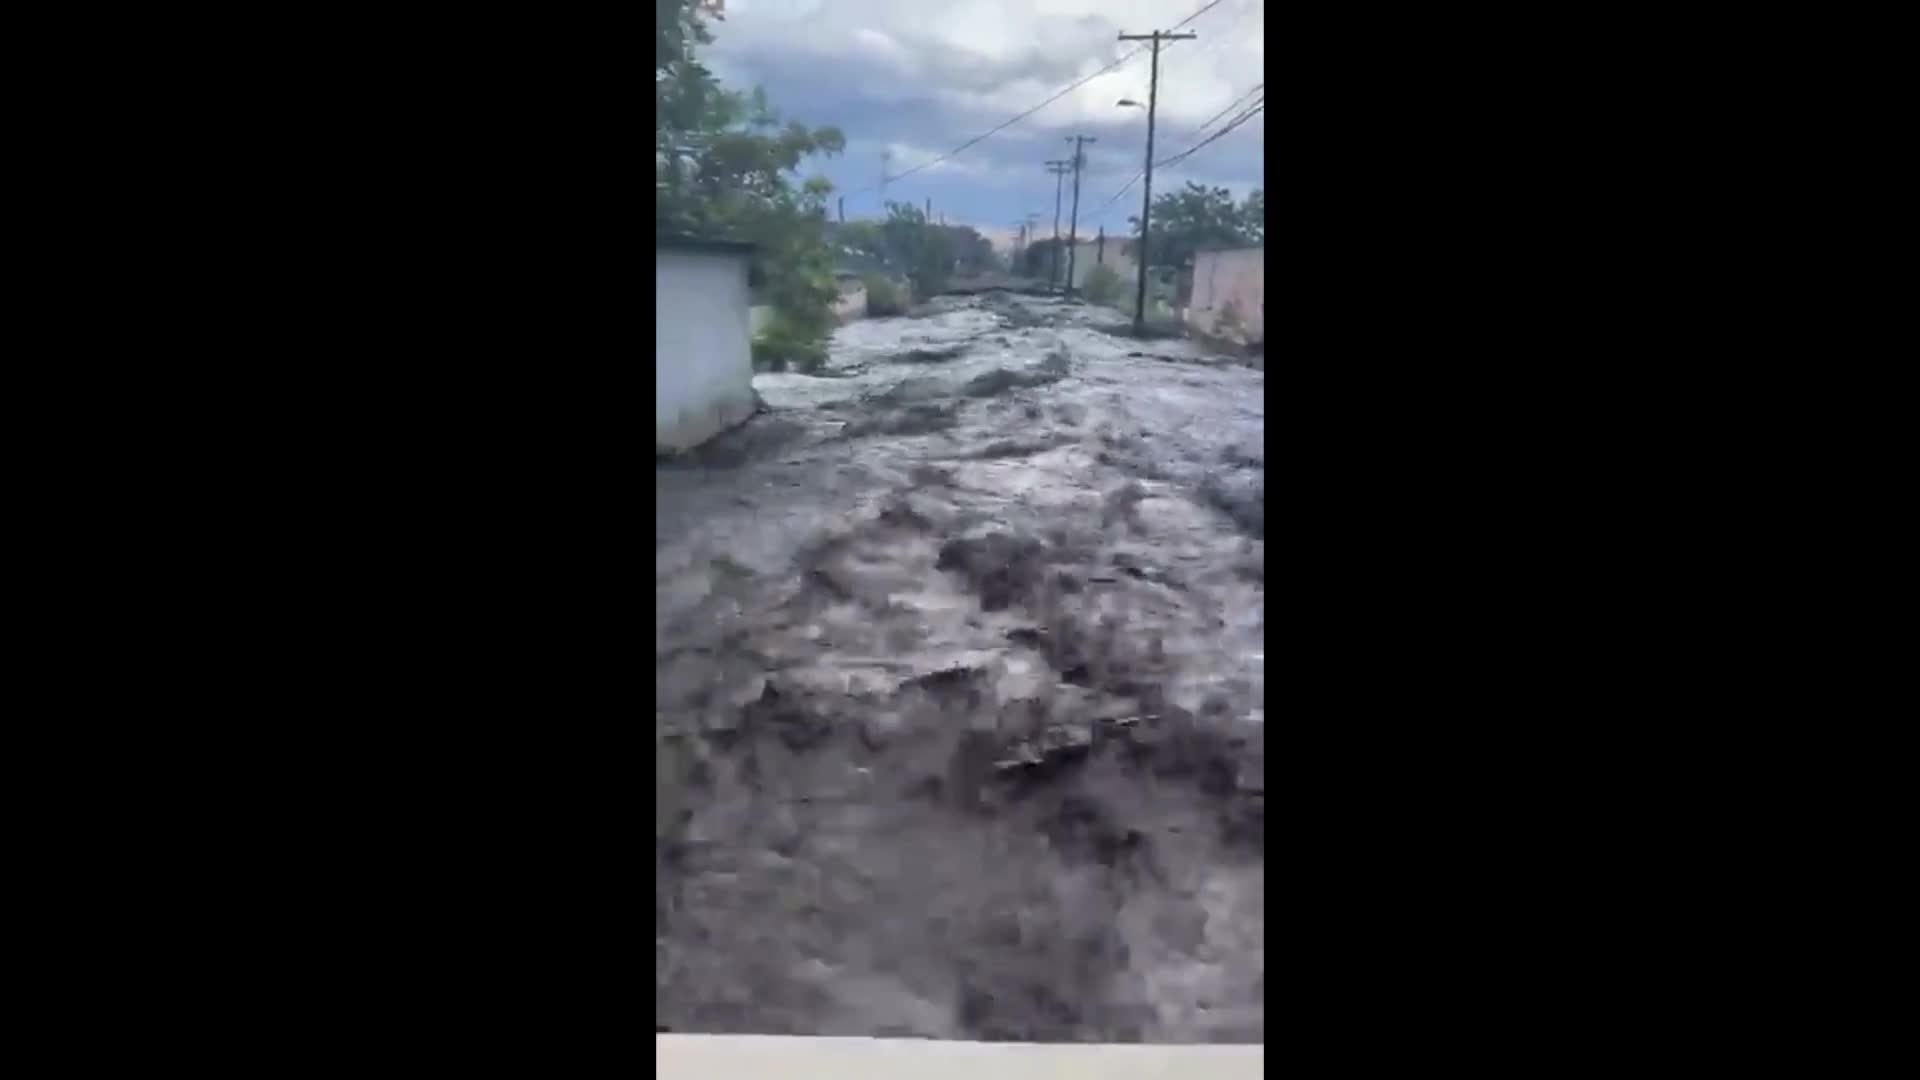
{"x": 930, "y": 355}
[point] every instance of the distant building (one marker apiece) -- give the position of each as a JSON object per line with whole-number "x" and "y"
{"x": 702, "y": 349}
{"x": 1229, "y": 294}
{"x": 1100, "y": 251}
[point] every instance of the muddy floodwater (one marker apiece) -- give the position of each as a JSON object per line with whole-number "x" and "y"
{"x": 960, "y": 704}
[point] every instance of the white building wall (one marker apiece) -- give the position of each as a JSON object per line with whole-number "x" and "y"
{"x": 1089, "y": 256}
{"x": 852, "y": 301}
{"x": 702, "y": 351}
{"x": 1236, "y": 277}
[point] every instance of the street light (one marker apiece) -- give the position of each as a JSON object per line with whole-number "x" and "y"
{"x": 1129, "y": 103}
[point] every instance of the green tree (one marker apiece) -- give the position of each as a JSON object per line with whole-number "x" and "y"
{"x": 1038, "y": 258}
{"x": 973, "y": 253}
{"x": 924, "y": 251}
{"x": 866, "y": 240}
{"x": 726, "y": 168}
{"x": 1198, "y": 217}
{"x": 874, "y": 243}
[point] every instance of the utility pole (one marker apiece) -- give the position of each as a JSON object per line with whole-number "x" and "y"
{"x": 885, "y": 157}
{"x": 1146, "y": 194}
{"x": 1073, "y": 223}
{"x": 929, "y": 209}
{"x": 1059, "y": 171}
{"x": 843, "y": 209}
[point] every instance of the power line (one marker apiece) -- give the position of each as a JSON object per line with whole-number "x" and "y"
{"x": 1073, "y": 223}
{"x": 1146, "y": 197}
{"x": 1216, "y": 42}
{"x": 1212, "y": 43}
{"x": 1237, "y": 102}
{"x": 1234, "y": 104}
{"x": 1059, "y": 170}
{"x": 1197, "y": 14}
{"x": 977, "y": 139}
{"x": 1237, "y": 121}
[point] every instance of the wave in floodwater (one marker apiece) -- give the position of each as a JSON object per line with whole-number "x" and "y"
{"x": 961, "y": 701}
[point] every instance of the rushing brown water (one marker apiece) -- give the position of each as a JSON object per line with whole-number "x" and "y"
{"x": 960, "y": 706}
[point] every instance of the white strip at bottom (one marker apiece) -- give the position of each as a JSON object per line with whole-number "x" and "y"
{"x": 767, "y": 1057}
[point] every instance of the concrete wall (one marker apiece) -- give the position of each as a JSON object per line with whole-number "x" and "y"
{"x": 702, "y": 351}
{"x": 1236, "y": 277}
{"x": 1088, "y": 257}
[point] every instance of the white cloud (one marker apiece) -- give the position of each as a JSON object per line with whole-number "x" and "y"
{"x": 924, "y": 76}
{"x": 908, "y": 156}
{"x": 1041, "y": 44}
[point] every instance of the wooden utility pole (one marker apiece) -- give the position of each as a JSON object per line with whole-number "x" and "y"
{"x": 1146, "y": 195}
{"x": 1073, "y": 223}
{"x": 1059, "y": 171}
{"x": 843, "y": 209}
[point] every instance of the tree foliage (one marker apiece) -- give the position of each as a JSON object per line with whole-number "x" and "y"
{"x": 726, "y": 168}
{"x": 1198, "y": 217}
{"x": 973, "y": 253}
{"x": 1038, "y": 258}
{"x": 927, "y": 254}
{"x": 924, "y": 250}
{"x": 866, "y": 241}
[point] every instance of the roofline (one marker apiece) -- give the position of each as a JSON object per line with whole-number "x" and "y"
{"x": 1230, "y": 247}
{"x": 711, "y": 247}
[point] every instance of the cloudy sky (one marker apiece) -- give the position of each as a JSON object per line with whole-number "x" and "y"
{"x": 916, "y": 78}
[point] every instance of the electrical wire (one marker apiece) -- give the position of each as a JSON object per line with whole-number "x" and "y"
{"x": 1197, "y": 14}
{"x": 1190, "y": 151}
{"x": 1237, "y": 103}
{"x": 977, "y": 139}
{"x": 1211, "y": 44}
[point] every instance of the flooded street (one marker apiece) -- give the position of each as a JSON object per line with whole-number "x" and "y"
{"x": 960, "y": 696}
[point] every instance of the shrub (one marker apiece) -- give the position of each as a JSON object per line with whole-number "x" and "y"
{"x": 1104, "y": 284}
{"x": 1228, "y": 324}
{"x": 806, "y": 357}
{"x": 885, "y": 298}
{"x": 782, "y": 345}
